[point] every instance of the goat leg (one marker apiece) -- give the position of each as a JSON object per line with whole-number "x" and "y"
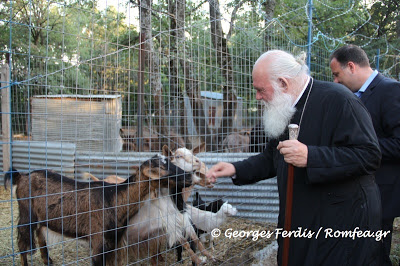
{"x": 99, "y": 256}
{"x": 157, "y": 258}
{"x": 185, "y": 244}
{"x": 201, "y": 248}
{"x": 43, "y": 247}
{"x": 24, "y": 259}
{"x": 25, "y": 231}
{"x": 179, "y": 250}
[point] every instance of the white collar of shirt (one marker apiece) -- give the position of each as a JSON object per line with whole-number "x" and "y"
{"x": 369, "y": 80}
{"x": 302, "y": 92}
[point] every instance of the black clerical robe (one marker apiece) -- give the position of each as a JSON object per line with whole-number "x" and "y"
{"x": 336, "y": 192}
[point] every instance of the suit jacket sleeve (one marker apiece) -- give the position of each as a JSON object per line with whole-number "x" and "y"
{"x": 389, "y": 138}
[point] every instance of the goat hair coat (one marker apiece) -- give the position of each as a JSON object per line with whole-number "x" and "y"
{"x": 337, "y": 189}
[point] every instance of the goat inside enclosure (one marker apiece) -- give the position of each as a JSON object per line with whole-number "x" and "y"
{"x": 97, "y": 212}
{"x": 163, "y": 216}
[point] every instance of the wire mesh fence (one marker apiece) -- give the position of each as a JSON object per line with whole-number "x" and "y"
{"x": 96, "y": 89}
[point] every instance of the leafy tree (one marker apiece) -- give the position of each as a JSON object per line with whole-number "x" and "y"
{"x": 61, "y": 48}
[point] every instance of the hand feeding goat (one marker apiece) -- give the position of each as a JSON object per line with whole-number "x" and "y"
{"x": 96, "y": 211}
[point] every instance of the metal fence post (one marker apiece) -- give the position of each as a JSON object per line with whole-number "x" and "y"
{"x": 378, "y": 52}
{"x": 309, "y": 37}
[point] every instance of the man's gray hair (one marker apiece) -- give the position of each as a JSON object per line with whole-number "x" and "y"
{"x": 285, "y": 65}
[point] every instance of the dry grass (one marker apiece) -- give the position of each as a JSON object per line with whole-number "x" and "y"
{"x": 234, "y": 251}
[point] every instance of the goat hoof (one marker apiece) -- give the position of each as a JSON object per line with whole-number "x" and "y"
{"x": 48, "y": 262}
{"x": 210, "y": 258}
{"x": 201, "y": 261}
{"x": 160, "y": 258}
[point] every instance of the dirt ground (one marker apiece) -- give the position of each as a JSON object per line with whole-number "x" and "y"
{"x": 227, "y": 251}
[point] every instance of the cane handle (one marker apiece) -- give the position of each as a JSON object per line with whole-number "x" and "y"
{"x": 293, "y": 131}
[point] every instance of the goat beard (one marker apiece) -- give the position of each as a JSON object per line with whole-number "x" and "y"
{"x": 277, "y": 113}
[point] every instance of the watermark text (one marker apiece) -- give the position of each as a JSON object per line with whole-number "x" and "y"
{"x": 301, "y": 233}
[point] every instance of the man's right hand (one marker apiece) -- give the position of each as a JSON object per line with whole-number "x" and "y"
{"x": 220, "y": 169}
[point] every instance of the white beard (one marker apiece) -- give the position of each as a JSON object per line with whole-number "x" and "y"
{"x": 278, "y": 113}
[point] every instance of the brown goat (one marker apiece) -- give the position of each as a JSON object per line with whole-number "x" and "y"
{"x": 97, "y": 212}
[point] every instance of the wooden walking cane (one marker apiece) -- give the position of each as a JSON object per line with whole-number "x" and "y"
{"x": 293, "y": 131}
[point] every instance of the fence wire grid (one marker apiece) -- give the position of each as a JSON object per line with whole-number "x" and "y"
{"x": 99, "y": 89}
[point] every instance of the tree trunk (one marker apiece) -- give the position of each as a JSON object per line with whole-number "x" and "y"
{"x": 269, "y": 9}
{"x": 154, "y": 67}
{"x": 225, "y": 61}
{"x": 176, "y": 10}
{"x": 199, "y": 118}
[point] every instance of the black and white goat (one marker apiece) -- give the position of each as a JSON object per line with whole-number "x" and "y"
{"x": 199, "y": 203}
{"x": 97, "y": 212}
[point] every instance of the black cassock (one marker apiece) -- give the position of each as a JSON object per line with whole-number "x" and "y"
{"x": 336, "y": 192}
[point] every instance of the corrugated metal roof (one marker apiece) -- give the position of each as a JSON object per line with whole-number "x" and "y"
{"x": 79, "y": 96}
{"x": 213, "y": 95}
{"x": 35, "y": 155}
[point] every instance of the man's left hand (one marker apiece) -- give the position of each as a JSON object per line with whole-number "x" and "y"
{"x": 294, "y": 152}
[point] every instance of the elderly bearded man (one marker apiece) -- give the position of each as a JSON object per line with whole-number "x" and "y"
{"x": 334, "y": 160}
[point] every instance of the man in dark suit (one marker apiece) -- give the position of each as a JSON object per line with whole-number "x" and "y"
{"x": 334, "y": 158}
{"x": 381, "y": 95}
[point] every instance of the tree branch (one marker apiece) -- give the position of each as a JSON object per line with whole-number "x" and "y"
{"x": 233, "y": 18}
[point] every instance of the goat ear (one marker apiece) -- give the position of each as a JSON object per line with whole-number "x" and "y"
{"x": 166, "y": 151}
{"x": 154, "y": 173}
{"x": 135, "y": 169}
{"x": 200, "y": 148}
{"x": 150, "y": 173}
{"x": 87, "y": 175}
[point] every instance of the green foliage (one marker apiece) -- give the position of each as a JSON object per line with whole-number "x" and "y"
{"x": 63, "y": 48}
{"x": 73, "y": 47}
